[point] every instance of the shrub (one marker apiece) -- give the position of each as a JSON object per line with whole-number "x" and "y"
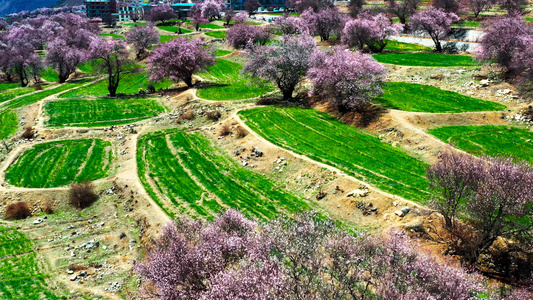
{"x": 82, "y": 195}
{"x": 28, "y": 133}
{"x": 240, "y": 132}
{"x": 18, "y": 211}
{"x": 213, "y": 115}
{"x": 225, "y": 130}
{"x": 48, "y": 207}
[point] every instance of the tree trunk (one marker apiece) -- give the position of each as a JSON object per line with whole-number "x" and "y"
{"x": 188, "y": 81}
{"x": 438, "y": 46}
{"x": 112, "y": 90}
{"x": 287, "y": 93}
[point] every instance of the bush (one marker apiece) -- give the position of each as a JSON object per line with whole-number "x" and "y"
{"x": 225, "y": 130}
{"x": 213, "y": 115}
{"x": 18, "y": 211}
{"x": 28, "y": 133}
{"x": 82, "y": 195}
{"x": 48, "y": 207}
{"x": 240, "y": 132}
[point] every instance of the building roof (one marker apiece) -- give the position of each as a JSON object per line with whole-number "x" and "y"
{"x": 182, "y": 5}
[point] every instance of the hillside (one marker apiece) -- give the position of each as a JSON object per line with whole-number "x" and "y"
{"x": 14, "y": 6}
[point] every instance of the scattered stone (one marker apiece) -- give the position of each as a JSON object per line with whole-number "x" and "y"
{"x": 484, "y": 82}
{"x": 73, "y": 278}
{"x": 358, "y": 193}
{"x": 38, "y": 221}
{"x": 69, "y": 271}
{"x": 403, "y": 211}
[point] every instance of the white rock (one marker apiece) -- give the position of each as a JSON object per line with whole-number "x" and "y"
{"x": 358, "y": 193}
{"x": 403, "y": 211}
{"x": 484, "y": 82}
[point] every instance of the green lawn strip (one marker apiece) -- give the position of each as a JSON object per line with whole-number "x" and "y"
{"x": 50, "y": 75}
{"x": 220, "y": 52}
{"x": 489, "y": 139}
{"x": 100, "y": 112}
{"x": 8, "y": 85}
{"x": 467, "y": 24}
{"x": 208, "y": 26}
{"x": 217, "y": 34}
{"x": 174, "y": 29}
{"x": 113, "y": 35}
{"x": 61, "y": 163}
{"x": 426, "y": 59}
{"x": 215, "y": 178}
{"x": 228, "y": 83}
{"x": 138, "y": 23}
{"x": 129, "y": 84}
{"x": 38, "y": 96}
{"x": 88, "y": 67}
{"x": 20, "y": 275}
{"x": 8, "y": 95}
{"x": 425, "y": 98}
{"x": 324, "y": 139}
{"x": 401, "y": 46}
{"x": 8, "y": 124}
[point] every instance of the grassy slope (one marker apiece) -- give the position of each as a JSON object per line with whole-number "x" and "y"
{"x": 8, "y": 85}
{"x": 8, "y": 95}
{"x": 60, "y": 163}
{"x": 101, "y": 112}
{"x": 425, "y": 98}
{"x": 425, "y": 59}
{"x": 229, "y": 83}
{"x": 217, "y": 34}
{"x": 490, "y": 140}
{"x": 129, "y": 84}
{"x": 215, "y": 175}
{"x": 324, "y": 139}
{"x": 20, "y": 277}
{"x": 174, "y": 29}
{"x": 30, "y": 99}
{"x": 401, "y": 46}
{"x": 115, "y": 36}
{"x": 8, "y": 124}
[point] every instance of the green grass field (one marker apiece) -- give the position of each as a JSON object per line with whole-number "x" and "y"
{"x": 20, "y": 275}
{"x": 185, "y": 174}
{"x": 217, "y": 34}
{"x": 19, "y": 91}
{"x": 425, "y": 98}
{"x": 229, "y": 83}
{"x": 425, "y": 59}
{"x": 88, "y": 67}
{"x": 174, "y": 29}
{"x": 324, "y": 139}
{"x": 400, "y": 46}
{"x": 8, "y": 85}
{"x": 128, "y": 85}
{"x": 38, "y": 96}
{"x": 61, "y": 163}
{"x": 220, "y": 52}
{"x": 208, "y": 26}
{"x": 50, "y": 75}
{"x": 8, "y": 124}
{"x": 115, "y": 36}
{"x": 100, "y": 112}
{"x": 490, "y": 140}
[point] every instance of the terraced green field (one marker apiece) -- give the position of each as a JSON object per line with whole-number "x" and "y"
{"x": 8, "y": 85}
{"x": 185, "y": 174}
{"x": 425, "y": 98}
{"x": 217, "y": 34}
{"x": 50, "y": 75}
{"x": 425, "y": 59}
{"x": 61, "y": 163}
{"x": 174, "y": 29}
{"x": 490, "y": 140}
{"x": 115, "y": 36}
{"x": 324, "y": 139}
{"x": 100, "y": 112}
{"x": 8, "y": 124}
{"x": 228, "y": 83}
{"x": 38, "y": 96}
{"x": 208, "y": 26}
{"x": 20, "y": 277}
{"x": 8, "y": 95}
{"x": 401, "y": 46}
{"x": 128, "y": 85}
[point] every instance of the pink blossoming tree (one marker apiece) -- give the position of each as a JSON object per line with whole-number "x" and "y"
{"x": 113, "y": 58}
{"x": 179, "y": 59}
{"x": 350, "y": 79}
{"x": 435, "y": 22}
{"x": 324, "y": 22}
{"x": 285, "y": 65}
{"x": 141, "y": 37}
{"x": 370, "y": 30}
